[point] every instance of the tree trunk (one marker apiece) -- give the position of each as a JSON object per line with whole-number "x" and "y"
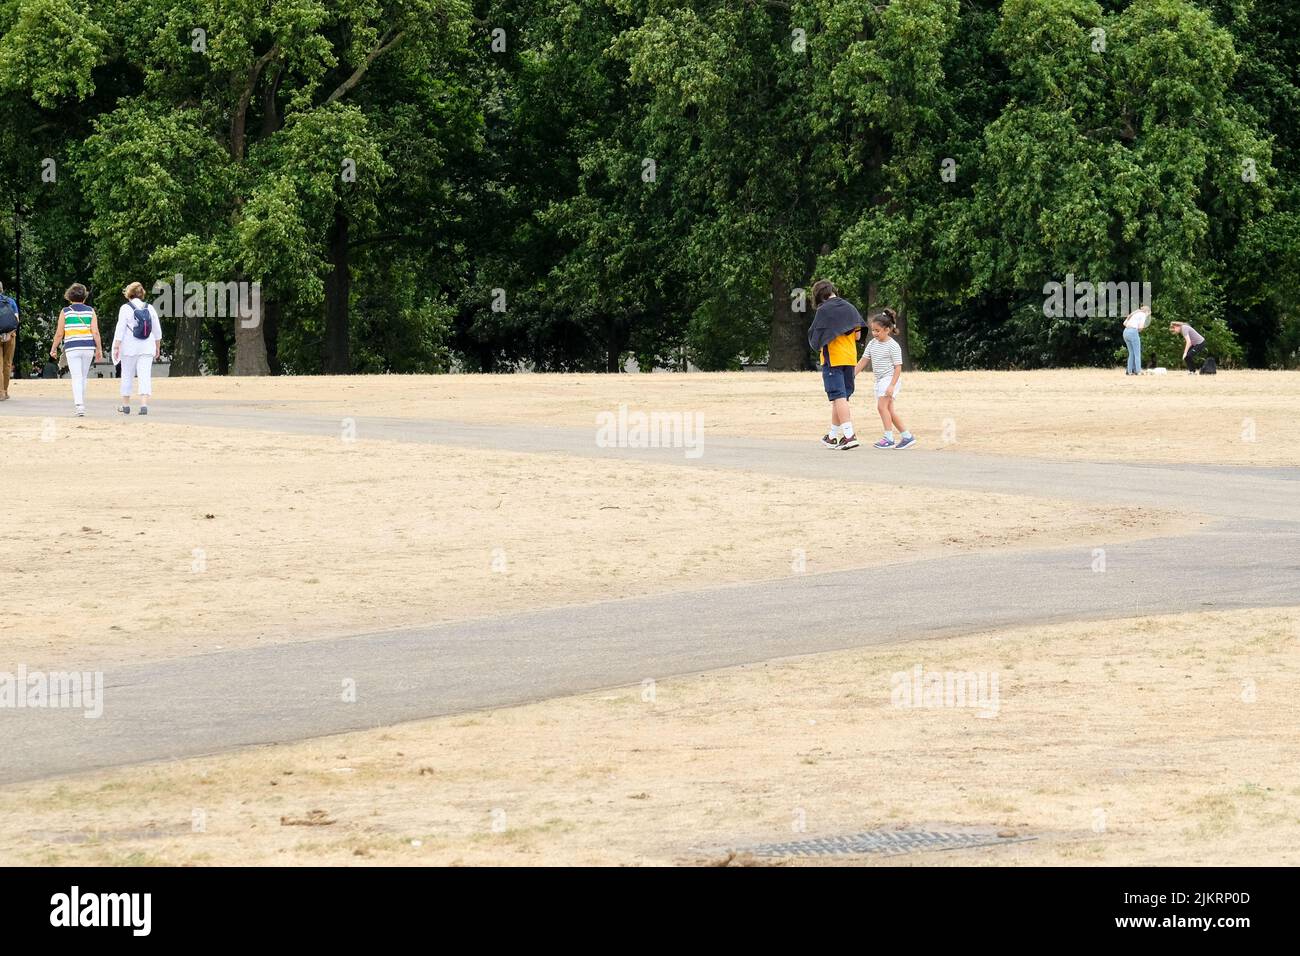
{"x": 901, "y": 311}
{"x": 271, "y": 312}
{"x": 250, "y": 348}
{"x": 338, "y": 289}
{"x": 902, "y": 333}
{"x": 250, "y": 343}
{"x": 271, "y": 119}
{"x": 220, "y": 347}
{"x": 18, "y": 257}
{"x": 18, "y": 286}
{"x": 616, "y": 335}
{"x": 185, "y": 345}
{"x": 788, "y": 338}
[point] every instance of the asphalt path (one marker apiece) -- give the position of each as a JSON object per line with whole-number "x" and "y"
{"x": 215, "y": 702}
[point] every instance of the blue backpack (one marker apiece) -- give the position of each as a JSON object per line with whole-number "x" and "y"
{"x": 8, "y": 317}
{"x": 143, "y": 323}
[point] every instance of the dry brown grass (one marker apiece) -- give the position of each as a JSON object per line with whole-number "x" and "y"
{"x": 1166, "y": 740}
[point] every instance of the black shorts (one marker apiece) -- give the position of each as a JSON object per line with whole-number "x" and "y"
{"x": 838, "y": 381}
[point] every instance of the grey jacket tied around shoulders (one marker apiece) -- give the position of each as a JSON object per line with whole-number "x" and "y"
{"x": 833, "y": 318}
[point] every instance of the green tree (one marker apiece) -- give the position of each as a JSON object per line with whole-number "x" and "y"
{"x": 732, "y": 129}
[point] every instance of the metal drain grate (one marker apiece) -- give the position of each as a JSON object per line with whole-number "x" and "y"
{"x": 887, "y": 842}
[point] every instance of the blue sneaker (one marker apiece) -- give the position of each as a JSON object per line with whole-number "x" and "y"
{"x": 907, "y": 441}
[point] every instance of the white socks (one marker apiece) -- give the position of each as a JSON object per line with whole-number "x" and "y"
{"x": 847, "y": 429}
{"x": 835, "y": 431}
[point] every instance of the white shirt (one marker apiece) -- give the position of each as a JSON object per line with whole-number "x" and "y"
{"x": 124, "y": 340}
{"x": 884, "y": 356}
{"x": 1138, "y": 320}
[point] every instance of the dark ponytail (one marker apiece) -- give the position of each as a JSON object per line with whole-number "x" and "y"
{"x": 887, "y": 319}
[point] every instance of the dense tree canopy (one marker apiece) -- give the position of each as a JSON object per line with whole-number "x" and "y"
{"x": 417, "y": 185}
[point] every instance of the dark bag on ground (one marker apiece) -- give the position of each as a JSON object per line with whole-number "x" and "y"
{"x": 8, "y": 317}
{"x": 1209, "y": 367}
{"x": 143, "y": 323}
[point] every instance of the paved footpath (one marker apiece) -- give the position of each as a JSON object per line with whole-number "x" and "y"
{"x": 216, "y": 702}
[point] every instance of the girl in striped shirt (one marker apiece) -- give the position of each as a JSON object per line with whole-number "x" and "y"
{"x": 886, "y": 358}
{"x": 79, "y": 332}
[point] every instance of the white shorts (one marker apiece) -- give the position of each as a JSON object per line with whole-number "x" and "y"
{"x": 882, "y": 385}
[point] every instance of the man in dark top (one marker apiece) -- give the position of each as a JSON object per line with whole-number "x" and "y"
{"x": 8, "y": 340}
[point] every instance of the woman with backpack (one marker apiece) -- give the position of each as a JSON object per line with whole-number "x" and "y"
{"x": 137, "y": 341}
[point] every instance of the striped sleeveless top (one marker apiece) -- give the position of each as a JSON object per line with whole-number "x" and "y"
{"x": 76, "y": 328}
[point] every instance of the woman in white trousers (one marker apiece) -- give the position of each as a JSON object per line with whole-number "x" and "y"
{"x": 137, "y": 341}
{"x": 78, "y": 331}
